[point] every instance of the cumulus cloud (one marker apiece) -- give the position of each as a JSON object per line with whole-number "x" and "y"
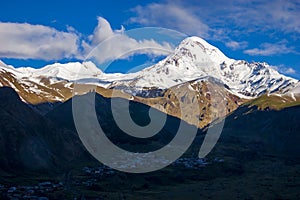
{"x": 267, "y": 49}
{"x": 27, "y": 41}
{"x": 106, "y": 44}
{"x": 170, "y": 15}
{"x": 103, "y": 31}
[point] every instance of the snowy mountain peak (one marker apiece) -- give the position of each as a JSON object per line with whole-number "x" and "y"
{"x": 195, "y": 58}
{"x": 68, "y": 71}
{"x": 198, "y": 47}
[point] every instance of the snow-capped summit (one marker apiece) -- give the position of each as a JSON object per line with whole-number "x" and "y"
{"x": 68, "y": 71}
{"x": 196, "y": 45}
{"x": 47, "y": 84}
{"x": 195, "y": 58}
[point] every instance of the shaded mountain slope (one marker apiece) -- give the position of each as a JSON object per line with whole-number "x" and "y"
{"x": 62, "y": 115}
{"x": 265, "y": 132}
{"x": 29, "y": 141}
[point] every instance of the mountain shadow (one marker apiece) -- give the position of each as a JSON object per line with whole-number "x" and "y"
{"x": 29, "y": 141}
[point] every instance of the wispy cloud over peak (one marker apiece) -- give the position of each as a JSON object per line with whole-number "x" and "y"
{"x": 170, "y": 15}
{"x": 234, "y": 45}
{"x": 285, "y": 70}
{"x": 268, "y": 49}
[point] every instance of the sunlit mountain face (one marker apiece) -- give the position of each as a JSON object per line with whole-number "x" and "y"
{"x": 149, "y": 100}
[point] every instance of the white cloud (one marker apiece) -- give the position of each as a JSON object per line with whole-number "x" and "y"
{"x": 290, "y": 71}
{"x": 228, "y": 22}
{"x": 103, "y": 31}
{"x": 285, "y": 70}
{"x": 170, "y": 15}
{"x": 234, "y": 45}
{"x": 267, "y": 49}
{"x": 280, "y": 15}
{"x": 27, "y": 41}
{"x": 255, "y": 15}
{"x": 106, "y": 44}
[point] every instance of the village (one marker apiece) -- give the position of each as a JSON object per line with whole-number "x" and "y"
{"x": 35, "y": 192}
{"x": 89, "y": 176}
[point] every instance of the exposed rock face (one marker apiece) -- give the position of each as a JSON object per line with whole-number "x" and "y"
{"x": 37, "y": 92}
{"x": 198, "y": 102}
{"x": 196, "y": 74}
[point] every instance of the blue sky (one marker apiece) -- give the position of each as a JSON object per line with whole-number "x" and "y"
{"x": 35, "y": 33}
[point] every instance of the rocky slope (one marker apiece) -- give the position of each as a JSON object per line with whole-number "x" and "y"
{"x": 199, "y": 73}
{"x": 198, "y": 102}
{"x": 52, "y": 83}
{"x": 257, "y": 155}
{"x": 194, "y": 58}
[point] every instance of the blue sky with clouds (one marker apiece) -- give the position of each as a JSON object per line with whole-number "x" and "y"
{"x": 34, "y": 33}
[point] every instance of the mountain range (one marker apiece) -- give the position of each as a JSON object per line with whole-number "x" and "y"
{"x": 196, "y": 69}
{"x": 257, "y": 154}
{"x": 194, "y": 58}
